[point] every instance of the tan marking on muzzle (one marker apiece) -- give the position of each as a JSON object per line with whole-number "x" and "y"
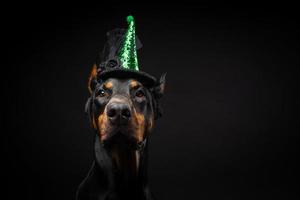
{"x": 102, "y": 123}
{"x": 138, "y": 126}
{"x": 150, "y": 124}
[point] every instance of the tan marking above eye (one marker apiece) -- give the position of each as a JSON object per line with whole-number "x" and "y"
{"x": 108, "y": 85}
{"x": 134, "y": 84}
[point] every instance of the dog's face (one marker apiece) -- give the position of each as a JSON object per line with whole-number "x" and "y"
{"x": 124, "y": 109}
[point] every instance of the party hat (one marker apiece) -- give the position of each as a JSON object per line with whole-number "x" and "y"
{"x": 119, "y": 56}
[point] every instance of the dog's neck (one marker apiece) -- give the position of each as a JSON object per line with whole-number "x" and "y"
{"x": 125, "y": 161}
{"x": 126, "y": 169}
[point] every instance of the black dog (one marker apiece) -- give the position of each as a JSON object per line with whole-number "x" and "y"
{"x": 122, "y": 112}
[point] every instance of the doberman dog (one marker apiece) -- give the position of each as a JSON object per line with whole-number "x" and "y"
{"x": 122, "y": 113}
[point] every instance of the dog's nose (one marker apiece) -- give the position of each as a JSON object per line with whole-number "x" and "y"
{"x": 118, "y": 113}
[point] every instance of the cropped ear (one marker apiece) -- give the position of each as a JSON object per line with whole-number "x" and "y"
{"x": 160, "y": 87}
{"x": 92, "y": 82}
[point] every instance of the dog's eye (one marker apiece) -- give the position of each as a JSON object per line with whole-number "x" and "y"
{"x": 140, "y": 93}
{"x": 102, "y": 93}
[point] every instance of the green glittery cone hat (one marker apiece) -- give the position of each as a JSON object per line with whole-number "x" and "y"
{"x": 127, "y": 53}
{"x": 119, "y": 56}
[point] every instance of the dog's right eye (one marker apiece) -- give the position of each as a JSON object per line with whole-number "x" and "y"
{"x": 102, "y": 93}
{"x": 140, "y": 93}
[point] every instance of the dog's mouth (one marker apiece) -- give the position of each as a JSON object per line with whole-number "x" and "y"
{"x": 120, "y": 137}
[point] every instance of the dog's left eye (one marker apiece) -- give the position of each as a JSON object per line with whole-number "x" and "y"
{"x": 140, "y": 93}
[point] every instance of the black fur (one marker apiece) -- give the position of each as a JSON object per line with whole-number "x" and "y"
{"x": 104, "y": 181}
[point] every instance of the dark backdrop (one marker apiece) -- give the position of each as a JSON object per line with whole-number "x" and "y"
{"x": 228, "y": 130}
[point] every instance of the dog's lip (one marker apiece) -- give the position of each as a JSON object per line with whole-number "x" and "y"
{"x": 119, "y": 135}
{"x": 115, "y": 131}
{"x": 119, "y": 128}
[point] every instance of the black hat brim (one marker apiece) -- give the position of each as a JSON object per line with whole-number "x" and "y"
{"x": 146, "y": 79}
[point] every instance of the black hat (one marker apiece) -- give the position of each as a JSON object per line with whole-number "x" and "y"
{"x": 119, "y": 56}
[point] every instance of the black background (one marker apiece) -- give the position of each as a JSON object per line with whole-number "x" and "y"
{"x": 228, "y": 130}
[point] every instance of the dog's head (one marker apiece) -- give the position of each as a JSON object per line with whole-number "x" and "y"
{"x": 123, "y": 110}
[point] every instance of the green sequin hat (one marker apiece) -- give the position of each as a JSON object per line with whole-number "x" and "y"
{"x": 119, "y": 56}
